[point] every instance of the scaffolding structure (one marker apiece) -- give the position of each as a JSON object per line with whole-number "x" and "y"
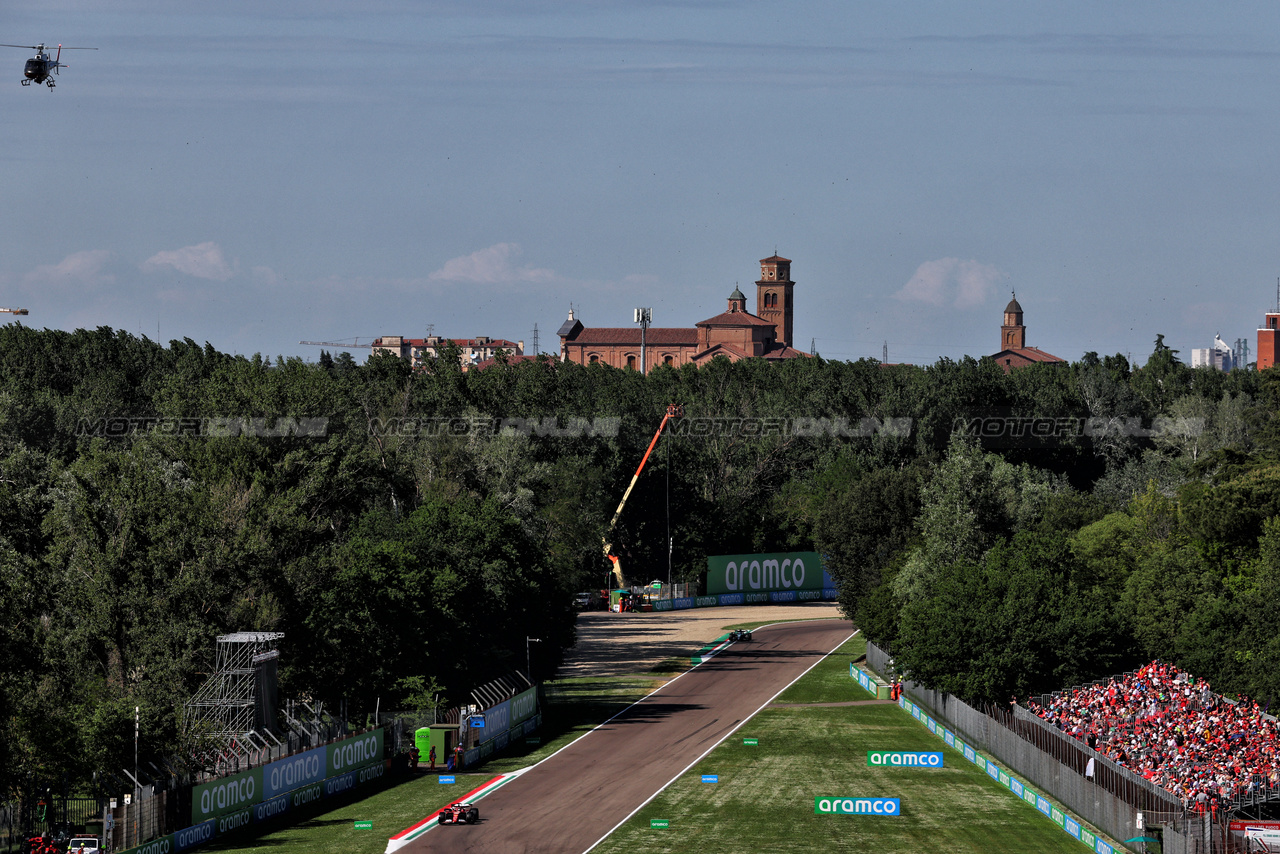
{"x": 230, "y": 719}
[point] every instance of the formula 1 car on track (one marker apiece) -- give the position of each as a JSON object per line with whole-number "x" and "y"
{"x": 459, "y": 813}
{"x": 740, "y": 635}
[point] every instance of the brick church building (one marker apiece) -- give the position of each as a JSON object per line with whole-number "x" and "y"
{"x": 1013, "y": 337}
{"x": 734, "y": 333}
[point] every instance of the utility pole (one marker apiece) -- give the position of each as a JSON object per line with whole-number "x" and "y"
{"x": 643, "y": 316}
{"x": 528, "y": 660}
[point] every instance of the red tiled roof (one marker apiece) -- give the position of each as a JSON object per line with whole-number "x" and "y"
{"x": 785, "y": 353}
{"x": 655, "y": 336}
{"x": 735, "y": 318}
{"x": 442, "y": 342}
{"x": 511, "y": 360}
{"x": 717, "y": 349}
{"x": 1031, "y": 354}
{"x": 774, "y": 353}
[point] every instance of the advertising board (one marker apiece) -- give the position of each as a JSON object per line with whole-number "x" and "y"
{"x": 856, "y": 806}
{"x": 355, "y": 751}
{"x": 524, "y": 706}
{"x": 228, "y": 794}
{"x": 789, "y": 571}
{"x": 293, "y": 772}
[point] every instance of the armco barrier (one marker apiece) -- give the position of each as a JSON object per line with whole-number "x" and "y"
{"x": 204, "y": 831}
{"x": 1002, "y": 776}
{"x": 1098, "y": 800}
{"x": 757, "y": 598}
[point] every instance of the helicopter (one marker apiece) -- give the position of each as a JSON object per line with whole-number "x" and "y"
{"x": 40, "y": 66}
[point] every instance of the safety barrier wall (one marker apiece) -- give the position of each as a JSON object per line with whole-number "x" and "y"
{"x": 516, "y": 717}
{"x": 487, "y": 748}
{"x": 1111, "y": 800}
{"x": 762, "y": 598}
{"x": 259, "y": 794}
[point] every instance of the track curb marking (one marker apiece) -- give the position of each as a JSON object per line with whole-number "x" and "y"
{"x": 409, "y": 834}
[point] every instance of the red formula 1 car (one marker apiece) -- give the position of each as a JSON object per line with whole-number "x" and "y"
{"x": 460, "y": 813}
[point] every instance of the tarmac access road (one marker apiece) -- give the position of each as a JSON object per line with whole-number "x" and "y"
{"x": 574, "y": 798}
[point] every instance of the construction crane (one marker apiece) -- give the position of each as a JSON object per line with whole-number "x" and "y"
{"x": 338, "y": 345}
{"x": 674, "y": 410}
{"x": 13, "y": 311}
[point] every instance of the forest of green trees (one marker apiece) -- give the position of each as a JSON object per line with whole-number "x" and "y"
{"x": 407, "y": 530}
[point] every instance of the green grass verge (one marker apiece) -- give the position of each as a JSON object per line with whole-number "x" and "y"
{"x": 829, "y": 681}
{"x": 764, "y": 799}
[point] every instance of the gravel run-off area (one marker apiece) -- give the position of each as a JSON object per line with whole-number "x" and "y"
{"x": 621, "y": 644}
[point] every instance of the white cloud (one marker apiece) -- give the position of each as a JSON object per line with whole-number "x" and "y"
{"x": 491, "y": 266}
{"x": 951, "y": 282}
{"x": 80, "y": 268}
{"x": 266, "y": 276}
{"x": 204, "y": 261}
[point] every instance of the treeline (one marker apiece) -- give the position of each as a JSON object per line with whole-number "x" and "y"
{"x": 408, "y": 530}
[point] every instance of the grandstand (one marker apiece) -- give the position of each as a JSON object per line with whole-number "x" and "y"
{"x": 1212, "y": 753}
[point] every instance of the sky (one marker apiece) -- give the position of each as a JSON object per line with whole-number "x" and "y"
{"x": 256, "y": 173}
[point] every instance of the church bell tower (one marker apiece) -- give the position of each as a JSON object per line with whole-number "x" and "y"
{"x": 1013, "y": 335}
{"x": 774, "y": 296}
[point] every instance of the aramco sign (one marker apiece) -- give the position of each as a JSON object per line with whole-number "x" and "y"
{"x": 763, "y": 573}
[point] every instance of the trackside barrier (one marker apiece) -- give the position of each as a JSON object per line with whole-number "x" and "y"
{"x": 1069, "y": 824}
{"x": 487, "y": 748}
{"x": 828, "y": 594}
{"x": 874, "y": 685}
{"x": 198, "y": 834}
{"x": 1122, "y": 808}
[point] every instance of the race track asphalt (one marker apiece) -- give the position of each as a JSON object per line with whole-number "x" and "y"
{"x": 573, "y": 799}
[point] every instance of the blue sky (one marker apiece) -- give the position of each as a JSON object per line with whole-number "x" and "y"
{"x": 271, "y": 172}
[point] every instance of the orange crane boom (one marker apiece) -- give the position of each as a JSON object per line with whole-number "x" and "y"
{"x": 674, "y": 410}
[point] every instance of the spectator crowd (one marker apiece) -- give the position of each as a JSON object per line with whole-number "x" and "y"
{"x": 1164, "y": 724}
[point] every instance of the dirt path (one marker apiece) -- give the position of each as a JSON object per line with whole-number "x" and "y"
{"x": 621, "y": 644}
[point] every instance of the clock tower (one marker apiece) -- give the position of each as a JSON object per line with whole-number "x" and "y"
{"x": 774, "y": 296}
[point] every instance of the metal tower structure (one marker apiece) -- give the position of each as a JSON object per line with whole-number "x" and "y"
{"x": 237, "y": 702}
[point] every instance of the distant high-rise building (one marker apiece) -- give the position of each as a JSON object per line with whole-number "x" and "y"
{"x": 1219, "y": 356}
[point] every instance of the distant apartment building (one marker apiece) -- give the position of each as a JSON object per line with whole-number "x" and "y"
{"x": 473, "y": 351}
{"x": 1220, "y": 356}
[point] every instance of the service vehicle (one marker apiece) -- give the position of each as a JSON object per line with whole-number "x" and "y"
{"x": 460, "y": 813}
{"x": 83, "y": 845}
